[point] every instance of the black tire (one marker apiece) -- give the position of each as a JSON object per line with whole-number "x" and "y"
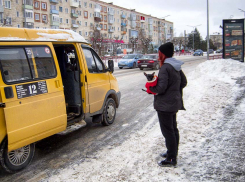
{"x": 134, "y": 65}
{"x": 109, "y": 112}
{"x": 120, "y": 67}
{"x": 157, "y": 67}
{"x": 141, "y": 68}
{"x": 24, "y": 156}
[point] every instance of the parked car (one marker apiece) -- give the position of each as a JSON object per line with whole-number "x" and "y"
{"x": 149, "y": 61}
{"x": 198, "y": 52}
{"x": 219, "y": 51}
{"x": 129, "y": 61}
{"x": 210, "y": 51}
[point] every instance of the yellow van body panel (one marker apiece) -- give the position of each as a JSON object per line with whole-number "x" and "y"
{"x": 48, "y": 35}
{"x": 36, "y": 117}
{"x": 98, "y": 84}
{"x": 3, "y": 131}
{"x": 114, "y": 83}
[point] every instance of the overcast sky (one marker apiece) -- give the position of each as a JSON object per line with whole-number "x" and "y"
{"x": 188, "y": 12}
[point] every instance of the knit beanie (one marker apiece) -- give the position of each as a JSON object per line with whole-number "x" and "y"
{"x": 167, "y": 49}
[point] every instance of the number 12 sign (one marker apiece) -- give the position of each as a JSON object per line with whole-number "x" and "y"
{"x": 31, "y": 89}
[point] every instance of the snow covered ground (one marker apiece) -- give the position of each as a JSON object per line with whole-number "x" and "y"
{"x": 212, "y": 135}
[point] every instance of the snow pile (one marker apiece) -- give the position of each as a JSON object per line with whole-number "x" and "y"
{"x": 213, "y": 87}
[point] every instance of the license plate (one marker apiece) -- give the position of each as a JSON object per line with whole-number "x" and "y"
{"x": 143, "y": 65}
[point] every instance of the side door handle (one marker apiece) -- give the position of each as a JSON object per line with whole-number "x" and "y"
{"x": 2, "y": 104}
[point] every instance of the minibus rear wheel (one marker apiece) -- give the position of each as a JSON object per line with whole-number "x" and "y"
{"x": 18, "y": 159}
{"x": 109, "y": 112}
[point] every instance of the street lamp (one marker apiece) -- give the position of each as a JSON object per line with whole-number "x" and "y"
{"x": 193, "y": 32}
{"x": 242, "y": 11}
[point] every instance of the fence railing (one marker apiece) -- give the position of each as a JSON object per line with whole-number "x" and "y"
{"x": 215, "y": 57}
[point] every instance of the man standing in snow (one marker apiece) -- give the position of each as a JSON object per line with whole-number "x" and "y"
{"x": 168, "y": 100}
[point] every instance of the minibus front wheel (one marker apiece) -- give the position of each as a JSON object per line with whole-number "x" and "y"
{"x": 109, "y": 112}
{"x": 18, "y": 159}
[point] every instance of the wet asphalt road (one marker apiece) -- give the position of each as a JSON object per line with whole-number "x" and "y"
{"x": 59, "y": 151}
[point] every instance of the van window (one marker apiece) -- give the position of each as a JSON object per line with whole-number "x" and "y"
{"x": 26, "y": 63}
{"x": 94, "y": 64}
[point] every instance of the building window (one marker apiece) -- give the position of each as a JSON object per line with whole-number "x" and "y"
{"x": 105, "y": 27}
{"x": 105, "y": 18}
{"x": 18, "y": 26}
{"x": 17, "y": 14}
{"x": 60, "y": 9}
{"x": 44, "y": 18}
{"x": 17, "y": 2}
{"x": 86, "y": 34}
{"x": 52, "y": 7}
{"x": 85, "y": 14}
{"x": 66, "y": 10}
{"x": 90, "y": 5}
{"x": 67, "y": 21}
{"x": 79, "y": 22}
{"x": 80, "y": 13}
{"x": 44, "y": 6}
{"x": 105, "y": 9}
{"x": 8, "y": 4}
{"x": 85, "y": 4}
{"x": 8, "y": 21}
{"x": 37, "y": 17}
{"x": 80, "y": 32}
{"x": 90, "y": 15}
{"x": 101, "y": 26}
{"x": 86, "y": 24}
{"x": 29, "y": 14}
{"x": 36, "y": 5}
{"x": 61, "y": 20}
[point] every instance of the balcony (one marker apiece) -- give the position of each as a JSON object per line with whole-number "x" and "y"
{"x": 75, "y": 26}
{"x": 97, "y": 9}
{"x": 123, "y": 16}
{"x": 54, "y": 11}
{"x": 97, "y": 19}
{"x": 123, "y": 24}
{"x": 54, "y": 1}
{"x": 110, "y": 21}
{"x": 133, "y": 24}
{"x": 74, "y": 15}
{"x": 54, "y": 23}
{"x": 123, "y": 32}
{"x": 110, "y": 12}
{"x": 1, "y": 9}
{"x": 74, "y": 3}
{"x": 110, "y": 30}
{"x": 27, "y": 6}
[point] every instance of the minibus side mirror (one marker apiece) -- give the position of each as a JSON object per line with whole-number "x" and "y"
{"x": 111, "y": 65}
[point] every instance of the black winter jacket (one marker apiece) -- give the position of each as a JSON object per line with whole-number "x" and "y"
{"x": 171, "y": 81}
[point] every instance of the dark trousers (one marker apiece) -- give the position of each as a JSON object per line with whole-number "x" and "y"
{"x": 170, "y": 132}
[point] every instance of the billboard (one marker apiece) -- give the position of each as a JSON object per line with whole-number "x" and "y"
{"x": 233, "y": 39}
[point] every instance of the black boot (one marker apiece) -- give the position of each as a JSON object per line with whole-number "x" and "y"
{"x": 168, "y": 162}
{"x": 164, "y": 155}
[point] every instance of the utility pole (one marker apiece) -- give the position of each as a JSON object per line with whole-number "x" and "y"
{"x": 207, "y": 31}
{"x": 25, "y": 13}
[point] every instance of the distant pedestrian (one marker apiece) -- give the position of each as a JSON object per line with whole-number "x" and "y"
{"x": 168, "y": 100}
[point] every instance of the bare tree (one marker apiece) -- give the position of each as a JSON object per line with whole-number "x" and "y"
{"x": 96, "y": 40}
{"x": 133, "y": 41}
{"x": 144, "y": 41}
{"x": 115, "y": 44}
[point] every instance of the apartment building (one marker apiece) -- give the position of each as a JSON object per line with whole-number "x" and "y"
{"x": 85, "y": 16}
